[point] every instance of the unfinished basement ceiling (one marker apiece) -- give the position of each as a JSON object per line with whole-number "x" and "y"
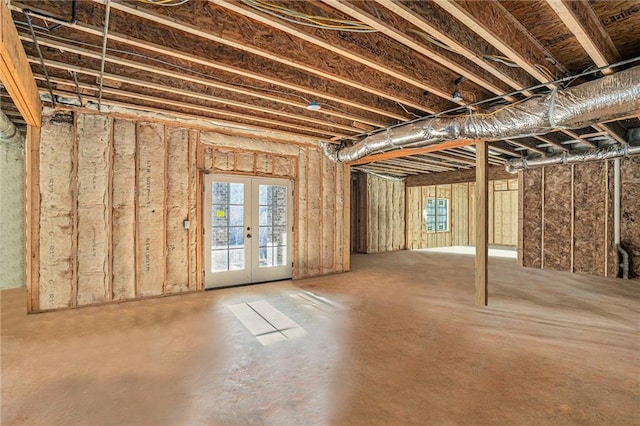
{"x": 367, "y": 64}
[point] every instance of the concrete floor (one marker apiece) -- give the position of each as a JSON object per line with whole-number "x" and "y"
{"x": 399, "y": 343}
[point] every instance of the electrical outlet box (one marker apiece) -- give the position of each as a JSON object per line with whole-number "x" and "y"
{"x": 186, "y": 224}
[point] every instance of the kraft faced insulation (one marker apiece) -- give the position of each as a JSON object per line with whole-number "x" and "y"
{"x": 124, "y": 210}
{"x": 244, "y": 161}
{"x": 193, "y": 229}
{"x": 151, "y": 175}
{"x": 314, "y": 212}
{"x": 93, "y": 216}
{"x": 177, "y": 210}
{"x": 57, "y": 181}
{"x": 223, "y": 160}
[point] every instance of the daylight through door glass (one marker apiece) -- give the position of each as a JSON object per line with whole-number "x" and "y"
{"x": 227, "y": 226}
{"x": 272, "y": 230}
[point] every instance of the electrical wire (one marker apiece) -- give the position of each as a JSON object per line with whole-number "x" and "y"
{"x": 169, "y": 3}
{"x": 314, "y": 21}
{"x": 160, "y": 61}
{"x": 495, "y": 58}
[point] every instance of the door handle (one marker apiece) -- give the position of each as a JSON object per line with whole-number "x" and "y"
{"x": 248, "y": 235}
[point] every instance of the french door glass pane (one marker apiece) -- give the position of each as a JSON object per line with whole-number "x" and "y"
{"x": 272, "y": 231}
{"x": 227, "y": 226}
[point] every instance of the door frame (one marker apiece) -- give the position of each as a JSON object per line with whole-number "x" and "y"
{"x": 205, "y": 223}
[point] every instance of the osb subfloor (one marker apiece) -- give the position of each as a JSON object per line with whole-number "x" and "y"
{"x": 400, "y": 343}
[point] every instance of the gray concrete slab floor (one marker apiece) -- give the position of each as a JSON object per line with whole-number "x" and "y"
{"x": 396, "y": 341}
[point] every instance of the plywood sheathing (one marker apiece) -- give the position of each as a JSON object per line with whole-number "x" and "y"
{"x": 57, "y": 179}
{"x": 231, "y": 31}
{"x": 543, "y": 23}
{"x": 93, "y": 211}
{"x": 630, "y": 211}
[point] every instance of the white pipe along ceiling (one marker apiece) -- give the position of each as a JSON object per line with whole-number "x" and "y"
{"x": 605, "y": 99}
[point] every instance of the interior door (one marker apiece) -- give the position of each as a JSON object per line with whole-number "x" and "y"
{"x": 248, "y": 232}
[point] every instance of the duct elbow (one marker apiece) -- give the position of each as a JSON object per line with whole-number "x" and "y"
{"x": 330, "y": 151}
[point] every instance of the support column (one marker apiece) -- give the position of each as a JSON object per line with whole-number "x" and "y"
{"x": 482, "y": 222}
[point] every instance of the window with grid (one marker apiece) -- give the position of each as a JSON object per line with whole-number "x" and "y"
{"x": 436, "y": 215}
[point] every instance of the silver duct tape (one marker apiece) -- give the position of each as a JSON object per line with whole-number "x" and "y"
{"x": 609, "y": 153}
{"x": 605, "y": 99}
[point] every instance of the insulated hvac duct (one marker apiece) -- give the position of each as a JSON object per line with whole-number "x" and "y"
{"x": 608, "y": 98}
{"x": 11, "y": 205}
{"x": 609, "y": 153}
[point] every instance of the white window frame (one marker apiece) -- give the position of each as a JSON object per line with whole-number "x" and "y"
{"x": 436, "y": 216}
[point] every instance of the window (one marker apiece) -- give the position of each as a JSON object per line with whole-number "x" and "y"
{"x": 436, "y": 215}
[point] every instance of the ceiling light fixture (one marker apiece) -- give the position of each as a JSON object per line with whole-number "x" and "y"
{"x": 456, "y": 96}
{"x": 313, "y": 106}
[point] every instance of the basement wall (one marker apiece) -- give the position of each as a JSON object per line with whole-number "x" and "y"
{"x": 503, "y": 214}
{"x": 109, "y": 194}
{"x": 321, "y": 194}
{"x": 567, "y": 221}
{"x": 380, "y": 215}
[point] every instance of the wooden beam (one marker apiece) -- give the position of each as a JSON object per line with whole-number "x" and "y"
{"x": 176, "y": 76}
{"x": 15, "y": 72}
{"x": 332, "y": 45}
{"x": 145, "y": 13}
{"x": 221, "y": 126}
{"x": 184, "y": 105}
{"x": 259, "y": 76}
{"x": 482, "y": 222}
{"x": 456, "y": 176}
{"x": 529, "y": 146}
{"x": 464, "y": 43}
{"x": 617, "y": 134}
{"x": 585, "y": 25}
{"x": 510, "y": 37}
{"x": 32, "y": 217}
{"x": 473, "y": 73}
{"x": 552, "y": 143}
{"x": 413, "y": 151}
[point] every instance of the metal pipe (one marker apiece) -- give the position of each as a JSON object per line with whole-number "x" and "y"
{"x": 601, "y": 154}
{"x": 44, "y": 67}
{"x": 616, "y": 201}
{"x": 9, "y": 133}
{"x": 104, "y": 49}
{"x": 623, "y": 255}
{"x": 605, "y": 99}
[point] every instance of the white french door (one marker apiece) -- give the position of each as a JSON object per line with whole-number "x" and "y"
{"x": 248, "y": 230}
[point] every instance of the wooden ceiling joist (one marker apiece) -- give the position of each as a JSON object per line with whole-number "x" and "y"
{"x": 491, "y": 21}
{"x": 413, "y": 151}
{"x": 215, "y": 65}
{"x": 461, "y": 40}
{"x": 551, "y": 143}
{"x": 435, "y": 84}
{"x": 178, "y": 76}
{"x": 476, "y": 74}
{"x": 528, "y": 146}
{"x": 146, "y": 14}
{"x": 135, "y": 97}
{"x": 15, "y": 72}
{"x": 581, "y": 20}
{"x": 220, "y": 125}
